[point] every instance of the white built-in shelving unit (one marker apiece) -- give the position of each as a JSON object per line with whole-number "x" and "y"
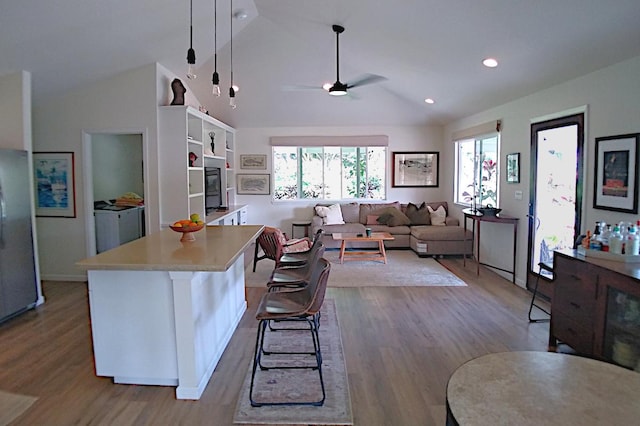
{"x": 184, "y": 130}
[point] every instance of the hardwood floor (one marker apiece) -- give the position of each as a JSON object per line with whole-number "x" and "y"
{"x": 401, "y": 345}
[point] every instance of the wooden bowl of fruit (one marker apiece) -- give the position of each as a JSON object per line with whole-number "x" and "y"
{"x": 187, "y": 227}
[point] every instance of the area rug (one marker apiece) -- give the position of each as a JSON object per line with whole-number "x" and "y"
{"x": 403, "y": 269}
{"x": 287, "y": 385}
{"x": 13, "y": 405}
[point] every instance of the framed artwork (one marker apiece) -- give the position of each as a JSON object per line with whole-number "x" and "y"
{"x": 615, "y": 186}
{"x": 415, "y": 169}
{"x": 253, "y": 162}
{"x": 253, "y": 184}
{"x": 513, "y": 168}
{"x": 55, "y": 184}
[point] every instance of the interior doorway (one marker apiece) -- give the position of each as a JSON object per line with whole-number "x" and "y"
{"x": 556, "y": 182}
{"x": 114, "y": 165}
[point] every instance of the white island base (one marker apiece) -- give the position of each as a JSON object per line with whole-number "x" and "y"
{"x": 164, "y": 327}
{"x": 163, "y": 311}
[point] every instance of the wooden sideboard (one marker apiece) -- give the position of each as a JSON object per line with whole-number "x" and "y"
{"x": 596, "y": 307}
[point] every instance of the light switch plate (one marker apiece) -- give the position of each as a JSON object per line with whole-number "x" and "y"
{"x": 518, "y": 195}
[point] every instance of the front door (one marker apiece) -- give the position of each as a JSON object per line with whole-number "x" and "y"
{"x": 556, "y": 191}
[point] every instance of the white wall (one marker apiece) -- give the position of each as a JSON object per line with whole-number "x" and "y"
{"x": 611, "y": 97}
{"x": 15, "y": 111}
{"x": 117, "y": 165}
{"x": 263, "y": 210}
{"x": 125, "y": 103}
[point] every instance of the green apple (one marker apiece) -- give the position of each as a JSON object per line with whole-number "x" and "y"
{"x": 195, "y": 217}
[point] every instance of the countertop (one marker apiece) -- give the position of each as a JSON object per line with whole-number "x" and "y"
{"x": 215, "y": 249}
{"x": 217, "y": 215}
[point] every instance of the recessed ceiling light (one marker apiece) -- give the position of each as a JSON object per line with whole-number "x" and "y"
{"x": 327, "y": 86}
{"x": 490, "y": 63}
{"x": 430, "y": 101}
{"x": 236, "y": 88}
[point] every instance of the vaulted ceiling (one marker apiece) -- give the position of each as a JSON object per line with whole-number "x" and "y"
{"x": 424, "y": 48}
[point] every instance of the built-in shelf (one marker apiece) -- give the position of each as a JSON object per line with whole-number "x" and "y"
{"x": 181, "y": 184}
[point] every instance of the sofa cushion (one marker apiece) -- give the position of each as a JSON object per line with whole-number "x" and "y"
{"x": 393, "y": 230}
{"x": 440, "y": 233}
{"x": 350, "y": 212}
{"x": 352, "y": 228}
{"x": 331, "y": 215}
{"x": 438, "y": 216}
{"x": 374, "y": 209}
{"x": 418, "y": 215}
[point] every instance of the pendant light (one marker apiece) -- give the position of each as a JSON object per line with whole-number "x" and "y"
{"x": 215, "y": 79}
{"x": 232, "y": 92}
{"x": 191, "y": 54}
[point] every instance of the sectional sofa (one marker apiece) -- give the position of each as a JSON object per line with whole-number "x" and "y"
{"x": 426, "y": 228}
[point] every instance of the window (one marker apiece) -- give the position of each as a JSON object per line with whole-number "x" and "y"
{"x": 477, "y": 171}
{"x": 329, "y": 172}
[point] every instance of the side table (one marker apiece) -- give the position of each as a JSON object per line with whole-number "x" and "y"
{"x": 300, "y": 224}
{"x": 477, "y": 217}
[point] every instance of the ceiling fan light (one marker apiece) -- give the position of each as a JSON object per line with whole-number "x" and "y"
{"x": 337, "y": 92}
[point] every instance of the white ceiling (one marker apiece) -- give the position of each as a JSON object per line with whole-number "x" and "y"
{"x": 425, "y": 48}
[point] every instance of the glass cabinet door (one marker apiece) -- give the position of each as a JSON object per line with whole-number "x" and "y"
{"x": 622, "y": 329}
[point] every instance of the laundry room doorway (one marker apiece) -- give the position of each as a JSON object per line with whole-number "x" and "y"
{"x": 115, "y": 184}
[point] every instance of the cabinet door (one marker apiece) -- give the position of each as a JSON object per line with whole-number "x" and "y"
{"x": 573, "y": 306}
{"x": 575, "y": 290}
{"x": 622, "y": 325}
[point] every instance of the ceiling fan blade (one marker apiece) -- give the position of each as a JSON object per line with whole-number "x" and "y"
{"x": 365, "y": 79}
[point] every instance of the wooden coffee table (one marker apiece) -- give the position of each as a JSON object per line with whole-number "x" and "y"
{"x": 379, "y": 237}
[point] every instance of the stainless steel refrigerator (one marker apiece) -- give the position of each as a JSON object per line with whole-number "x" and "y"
{"x": 18, "y": 287}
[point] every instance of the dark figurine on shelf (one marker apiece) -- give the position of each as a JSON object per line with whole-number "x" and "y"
{"x": 192, "y": 159}
{"x": 213, "y": 145}
{"x": 178, "y": 90}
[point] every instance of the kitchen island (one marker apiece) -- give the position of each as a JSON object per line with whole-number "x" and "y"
{"x": 163, "y": 311}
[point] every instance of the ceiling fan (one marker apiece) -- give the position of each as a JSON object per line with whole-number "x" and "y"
{"x": 339, "y": 88}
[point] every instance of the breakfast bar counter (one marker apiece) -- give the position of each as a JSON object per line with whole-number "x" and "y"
{"x": 163, "y": 311}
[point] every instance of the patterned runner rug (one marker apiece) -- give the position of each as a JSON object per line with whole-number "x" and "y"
{"x": 287, "y": 385}
{"x": 403, "y": 269}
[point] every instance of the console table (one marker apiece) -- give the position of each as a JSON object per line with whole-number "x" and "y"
{"x": 538, "y": 388}
{"x": 477, "y": 217}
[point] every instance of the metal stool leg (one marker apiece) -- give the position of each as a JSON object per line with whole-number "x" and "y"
{"x": 533, "y": 300}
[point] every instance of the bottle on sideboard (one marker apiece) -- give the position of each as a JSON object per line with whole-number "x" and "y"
{"x": 615, "y": 241}
{"x": 632, "y": 246}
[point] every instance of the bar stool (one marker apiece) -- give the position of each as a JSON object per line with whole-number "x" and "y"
{"x": 548, "y": 268}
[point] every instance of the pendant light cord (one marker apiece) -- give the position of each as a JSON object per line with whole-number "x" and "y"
{"x": 215, "y": 35}
{"x": 231, "y": 42}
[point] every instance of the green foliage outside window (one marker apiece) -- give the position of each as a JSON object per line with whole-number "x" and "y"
{"x": 331, "y": 173}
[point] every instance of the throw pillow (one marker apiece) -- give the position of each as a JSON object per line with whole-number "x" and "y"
{"x": 393, "y": 217}
{"x": 438, "y": 216}
{"x": 331, "y": 215}
{"x": 372, "y": 219}
{"x": 418, "y": 215}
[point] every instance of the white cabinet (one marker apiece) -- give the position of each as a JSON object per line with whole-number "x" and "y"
{"x": 116, "y": 227}
{"x": 184, "y": 148}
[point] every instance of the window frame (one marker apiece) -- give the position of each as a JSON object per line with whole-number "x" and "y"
{"x": 360, "y": 150}
{"x": 478, "y": 158}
